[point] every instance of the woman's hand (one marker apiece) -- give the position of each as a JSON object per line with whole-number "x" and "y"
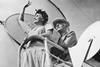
{"x": 28, "y": 4}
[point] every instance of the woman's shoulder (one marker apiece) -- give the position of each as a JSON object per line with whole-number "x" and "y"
{"x": 71, "y": 33}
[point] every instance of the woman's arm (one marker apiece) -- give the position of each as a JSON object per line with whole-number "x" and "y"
{"x": 21, "y": 19}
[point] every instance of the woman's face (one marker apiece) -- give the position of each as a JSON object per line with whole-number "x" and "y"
{"x": 38, "y": 18}
{"x": 59, "y": 27}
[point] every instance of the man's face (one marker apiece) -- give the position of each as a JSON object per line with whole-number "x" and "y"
{"x": 59, "y": 26}
{"x": 38, "y": 18}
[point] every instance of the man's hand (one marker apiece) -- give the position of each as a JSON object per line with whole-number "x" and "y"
{"x": 28, "y": 4}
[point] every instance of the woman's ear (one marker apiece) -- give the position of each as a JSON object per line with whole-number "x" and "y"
{"x": 42, "y": 19}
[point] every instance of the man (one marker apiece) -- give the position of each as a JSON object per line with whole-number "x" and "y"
{"x": 34, "y": 55}
{"x": 67, "y": 39}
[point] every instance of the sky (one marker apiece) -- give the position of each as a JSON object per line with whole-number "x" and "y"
{"x": 80, "y": 14}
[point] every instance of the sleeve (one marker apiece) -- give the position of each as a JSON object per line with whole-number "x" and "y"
{"x": 49, "y": 28}
{"x": 53, "y": 34}
{"x": 70, "y": 40}
{"x": 24, "y": 26}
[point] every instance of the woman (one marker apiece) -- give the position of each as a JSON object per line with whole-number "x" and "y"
{"x": 34, "y": 54}
{"x": 67, "y": 39}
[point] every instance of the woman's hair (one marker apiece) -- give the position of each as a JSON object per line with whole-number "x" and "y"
{"x": 60, "y": 21}
{"x": 44, "y": 15}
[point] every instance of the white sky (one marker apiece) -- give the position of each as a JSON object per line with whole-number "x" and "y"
{"x": 79, "y": 18}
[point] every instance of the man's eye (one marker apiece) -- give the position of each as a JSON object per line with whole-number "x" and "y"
{"x": 57, "y": 25}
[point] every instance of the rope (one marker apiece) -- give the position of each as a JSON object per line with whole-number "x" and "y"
{"x": 70, "y": 64}
{"x": 57, "y": 9}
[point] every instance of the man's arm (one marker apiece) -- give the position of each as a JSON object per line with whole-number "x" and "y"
{"x": 21, "y": 19}
{"x": 70, "y": 40}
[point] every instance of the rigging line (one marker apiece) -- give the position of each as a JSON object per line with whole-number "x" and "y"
{"x": 82, "y": 11}
{"x": 58, "y": 58}
{"x": 13, "y": 39}
{"x": 10, "y": 35}
{"x": 3, "y": 24}
{"x": 91, "y": 41}
{"x": 57, "y": 9}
